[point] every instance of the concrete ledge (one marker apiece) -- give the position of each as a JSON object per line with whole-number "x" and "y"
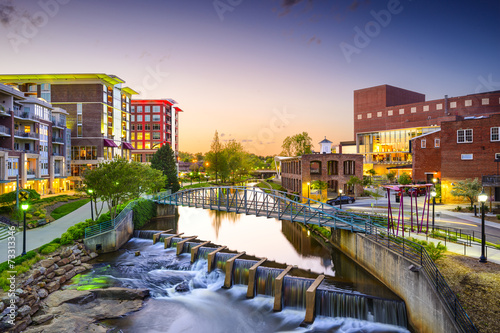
{"x": 211, "y": 257}
{"x": 311, "y": 299}
{"x": 278, "y": 289}
{"x": 228, "y": 280}
{"x": 167, "y": 240}
{"x": 157, "y": 235}
{"x": 251, "y": 278}
{"x": 180, "y": 245}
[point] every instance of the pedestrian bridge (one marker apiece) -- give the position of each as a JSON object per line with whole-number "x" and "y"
{"x": 268, "y": 203}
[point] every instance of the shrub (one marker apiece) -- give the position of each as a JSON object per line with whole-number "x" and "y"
{"x": 144, "y": 211}
{"x": 498, "y": 216}
{"x": 76, "y": 232}
{"x": 470, "y": 209}
{"x": 436, "y": 252}
{"x": 29, "y": 216}
{"x": 458, "y": 209}
{"x": 41, "y": 216}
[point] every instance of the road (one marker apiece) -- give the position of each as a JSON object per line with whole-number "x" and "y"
{"x": 39, "y": 236}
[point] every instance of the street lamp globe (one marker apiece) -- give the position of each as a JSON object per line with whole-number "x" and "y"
{"x": 434, "y": 180}
{"x": 24, "y": 206}
{"x": 482, "y": 197}
{"x": 433, "y": 193}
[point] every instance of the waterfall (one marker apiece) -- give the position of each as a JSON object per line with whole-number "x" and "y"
{"x": 174, "y": 241}
{"x": 221, "y": 258}
{"x": 265, "y": 279}
{"x": 145, "y": 234}
{"x": 294, "y": 294}
{"x": 188, "y": 246}
{"x": 337, "y": 303}
{"x": 241, "y": 268}
{"x": 203, "y": 252}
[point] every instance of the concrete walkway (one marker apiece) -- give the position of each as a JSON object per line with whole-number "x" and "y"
{"x": 39, "y": 236}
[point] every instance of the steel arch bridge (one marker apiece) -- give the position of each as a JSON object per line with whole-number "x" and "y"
{"x": 269, "y": 203}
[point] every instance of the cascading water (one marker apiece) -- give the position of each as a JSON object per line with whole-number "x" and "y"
{"x": 265, "y": 277}
{"x": 241, "y": 270}
{"x": 145, "y": 234}
{"x": 294, "y": 291}
{"x": 188, "y": 246}
{"x": 203, "y": 252}
{"x": 174, "y": 241}
{"x": 390, "y": 312}
{"x": 221, "y": 259}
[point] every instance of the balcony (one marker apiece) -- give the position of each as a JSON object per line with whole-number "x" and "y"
{"x": 58, "y": 140}
{"x": 26, "y": 135}
{"x": 30, "y": 173}
{"x": 57, "y": 154}
{"x": 25, "y": 115}
{"x": 4, "y": 131}
{"x": 60, "y": 124}
{"x": 57, "y": 171}
{"x": 110, "y": 124}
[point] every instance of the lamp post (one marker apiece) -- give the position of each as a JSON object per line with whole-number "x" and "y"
{"x": 91, "y": 206}
{"x": 24, "y": 207}
{"x": 482, "y": 199}
{"x": 433, "y": 195}
{"x": 340, "y": 198}
{"x": 308, "y": 187}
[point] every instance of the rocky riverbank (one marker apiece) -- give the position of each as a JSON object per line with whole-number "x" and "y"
{"x": 36, "y": 304}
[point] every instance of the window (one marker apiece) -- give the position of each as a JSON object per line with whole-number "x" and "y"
{"x": 132, "y": 136}
{"x": 156, "y": 117}
{"x": 423, "y": 143}
{"x": 439, "y": 106}
{"x": 332, "y": 167}
{"x": 139, "y": 135}
{"x": 79, "y": 131}
{"x": 485, "y": 101}
{"x": 368, "y": 115}
{"x": 147, "y": 117}
{"x": 147, "y": 145}
{"x": 497, "y": 157}
{"x": 132, "y": 118}
{"x": 467, "y": 157}
{"x": 349, "y": 167}
{"x": 315, "y": 167}
{"x": 156, "y": 108}
{"x": 414, "y": 109}
{"x": 139, "y": 127}
{"x": 139, "y": 145}
{"x": 464, "y": 136}
{"x": 390, "y": 113}
{"x": 139, "y": 117}
{"x": 468, "y": 102}
{"x": 401, "y": 111}
{"x": 494, "y": 134}
{"x": 426, "y": 108}
{"x": 453, "y": 105}
{"x": 147, "y": 108}
{"x": 132, "y": 127}
{"x": 133, "y": 108}
{"x": 156, "y": 135}
{"x": 139, "y": 109}
{"x": 147, "y": 136}
{"x": 147, "y": 127}
{"x": 379, "y": 114}
{"x": 437, "y": 143}
{"x": 360, "y": 117}
{"x": 156, "y": 127}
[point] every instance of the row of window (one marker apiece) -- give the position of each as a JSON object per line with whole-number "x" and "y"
{"x": 423, "y": 143}
{"x": 146, "y": 136}
{"x": 147, "y": 108}
{"x": 147, "y": 117}
{"x": 425, "y": 108}
{"x": 332, "y": 167}
{"x": 147, "y": 127}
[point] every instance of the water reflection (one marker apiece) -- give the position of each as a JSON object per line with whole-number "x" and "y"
{"x": 219, "y": 216}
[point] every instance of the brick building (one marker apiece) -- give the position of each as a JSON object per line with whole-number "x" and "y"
{"x": 297, "y": 173}
{"x": 98, "y": 107}
{"x": 387, "y": 118}
{"x": 467, "y": 148}
{"x": 34, "y": 143}
{"x": 153, "y": 124}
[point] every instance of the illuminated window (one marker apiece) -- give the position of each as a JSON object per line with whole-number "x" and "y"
{"x": 139, "y": 135}
{"x": 147, "y": 145}
{"x": 27, "y": 129}
{"x": 401, "y": 111}
{"x": 147, "y": 136}
{"x": 139, "y": 145}
{"x": 379, "y": 114}
{"x": 426, "y": 108}
{"x": 132, "y": 136}
{"x": 390, "y": 113}
{"x": 437, "y": 143}
{"x": 413, "y": 109}
{"x": 368, "y": 115}
{"x": 360, "y": 117}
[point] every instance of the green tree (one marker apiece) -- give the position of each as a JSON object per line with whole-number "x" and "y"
{"x": 391, "y": 176}
{"x": 164, "y": 160}
{"x": 319, "y": 185}
{"x": 217, "y": 159}
{"x": 117, "y": 181}
{"x": 468, "y": 189}
{"x": 297, "y": 145}
{"x": 404, "y": 179}
{"x": 371, "y": 173}
{"x": 353, "y": 181}
{"x": 185, "y": 157}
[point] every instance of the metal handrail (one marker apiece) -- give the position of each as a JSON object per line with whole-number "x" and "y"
{"x": 110, "y": 224}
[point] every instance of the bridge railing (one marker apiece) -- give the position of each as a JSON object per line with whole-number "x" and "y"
{"x": 110, "y": 224}
{"x": 418, "y": 254}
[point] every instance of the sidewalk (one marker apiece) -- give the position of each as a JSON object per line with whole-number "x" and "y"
{"x": 39, "y": 236}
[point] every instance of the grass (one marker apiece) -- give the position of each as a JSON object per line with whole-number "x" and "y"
{"x": 477, "y": 286}
{"x": 68, "y": 208}
{"x": 265, "y": 186}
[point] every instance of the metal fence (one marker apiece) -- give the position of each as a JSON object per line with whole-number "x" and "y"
{"x": 111, "y": 224}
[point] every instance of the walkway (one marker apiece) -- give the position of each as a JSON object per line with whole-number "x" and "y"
{"x": 42, "y": 235}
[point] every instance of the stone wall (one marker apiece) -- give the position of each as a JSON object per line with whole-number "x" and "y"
{"x": 44, "y": 278}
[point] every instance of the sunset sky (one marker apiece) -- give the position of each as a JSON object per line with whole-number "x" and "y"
{"x": 258, "y": 71}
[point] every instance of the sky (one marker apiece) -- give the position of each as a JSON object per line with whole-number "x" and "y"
{"x": 259, "y": 71}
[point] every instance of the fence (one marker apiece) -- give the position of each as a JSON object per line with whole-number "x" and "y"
{"x": 111, "y": 224}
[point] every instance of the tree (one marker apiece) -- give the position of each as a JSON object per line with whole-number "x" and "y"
{"x": 404, "y": 179}
{"x": 164, "y": 160}
{"x": 353, "y": 181}
{"x": 391, "y": 176}
{"x": 319, "y": 185}
{"x": 468, "y": 189}
{"x": 297, "y": 145}
{"x": 217, "y": 161}
{"x": 372, "y": 173}
{"x": 376, "y": 194}
{"x": 117, "y": 181}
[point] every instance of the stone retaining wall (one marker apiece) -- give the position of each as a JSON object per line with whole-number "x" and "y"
{"x": 44, "y": 278}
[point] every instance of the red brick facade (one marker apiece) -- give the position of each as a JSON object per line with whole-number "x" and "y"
{"x": 426, "y": 150}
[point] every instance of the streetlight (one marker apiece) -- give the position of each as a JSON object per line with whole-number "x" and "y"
{"x": 340, "y": 198}
{"x": 308, "y": 186}
{"x": 91, "y": 206}
{"x": 433, "y": 195}
{"x": 482, "y": 199}
{"x": 24, "y": 207}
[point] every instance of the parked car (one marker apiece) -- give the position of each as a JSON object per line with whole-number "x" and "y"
{"x": 418, "y": 190}
{"x": 345, "y": 200}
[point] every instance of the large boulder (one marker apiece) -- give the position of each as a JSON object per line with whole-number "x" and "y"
{"x": 118, "y": 293}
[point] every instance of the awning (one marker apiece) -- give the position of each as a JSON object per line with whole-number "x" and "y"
{"x": 127, "y": 145}
{"x": 109, "y": 143}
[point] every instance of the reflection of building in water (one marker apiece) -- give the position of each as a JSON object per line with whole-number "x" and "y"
{"x": 218, "y": 216}
{"x": 296, "y": 234}
{"x": 164, "y": 222}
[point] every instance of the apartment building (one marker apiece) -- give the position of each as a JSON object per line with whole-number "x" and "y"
{"x": 34, "y": 143}
{"x": 387, "y": 118}
{"x": 153, "y": 123}
{"x": 98, "y": 113}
